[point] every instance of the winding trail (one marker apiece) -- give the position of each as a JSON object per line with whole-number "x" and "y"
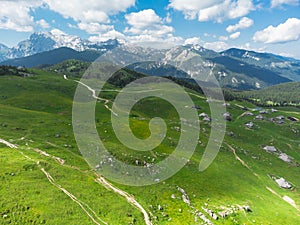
{"x": 10, "y": 145}
{"x": 82, "y": 205}
{"x": 285, "y": 198}
{"x": 86, "y": 209}
{"x": 130, "y": 199}
{"x": 240, "y": 160}
{"x": 106, "y": 101}
{"x": 100, "y": 180}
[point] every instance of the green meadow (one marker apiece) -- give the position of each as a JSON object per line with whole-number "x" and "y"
{"x": 36, "y": 116}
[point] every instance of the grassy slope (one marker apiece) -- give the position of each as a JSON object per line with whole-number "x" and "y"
{"x": 24, "y": 113}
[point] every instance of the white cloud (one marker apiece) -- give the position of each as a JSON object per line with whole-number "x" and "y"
{"x": 193, "y": 41}
{"x": 89, "y": 10}
{"x": 15, "y": 15}
{"x": 146, "y": 26}
{"x": 284, "y": 32}
{"x": 235, "y": 35}
{"x": 43, "y": 23}
{"x": 216, "y": 46}
{"x": 143, "y": 19}
{"x": 214, "y": 10}
{"x": 111, "y": 34}
{"x": 223, "y": 38}
{"x": 278, "y": 3}
{"x": 168, "y": 18}
{"x": 244, "y": 23}
{"x": 95, "y": 28}
{"x": 190, "y": 8}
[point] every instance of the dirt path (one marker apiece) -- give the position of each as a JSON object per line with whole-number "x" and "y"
{"x": 59, "y": 160}
{"x": 82, "y": 205}
{"x": 86, "y": 209}
{"x": 243, "y": 114}
{"x": 129, "y": 198}
{"x": 106, "y": 101}
{"x": 100, "y": 180}
{"x": 285, "y": 198}
{"x": 198, "y": 96}
{"x": 10, "y": 145}
{"x": 240, "y": 160}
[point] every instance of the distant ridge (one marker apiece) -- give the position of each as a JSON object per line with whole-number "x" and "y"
{"x": 53, "y": 57}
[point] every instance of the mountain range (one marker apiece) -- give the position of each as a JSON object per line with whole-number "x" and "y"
{"x": 47, "y": 41}
{"x": 233, "y": 68}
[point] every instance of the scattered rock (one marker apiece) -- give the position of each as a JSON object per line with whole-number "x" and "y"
{"x": 249, "y": 125}
{"x": 203, "y": 115}
{"x": 211, "y": 213}
{"x": 270, "y": 149}
{"x": 293, "y": 119}
{"x": 196, "y": 107}
{"x": 259, "y": 117}
{"x": 206, "y": 119}
{"x": 227, "y": 116}
{"x": 263, "y": 112}
{"x": 284, "y": 157}
{"x": 280, "y": 122}
{"x": 283, "y": 183}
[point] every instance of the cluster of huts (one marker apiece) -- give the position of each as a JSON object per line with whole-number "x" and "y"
{"x": 261, "y": 116}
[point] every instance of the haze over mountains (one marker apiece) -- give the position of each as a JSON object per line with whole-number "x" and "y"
{"x": 234, "y": 68}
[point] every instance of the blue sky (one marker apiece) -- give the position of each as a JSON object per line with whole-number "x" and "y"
{"x": 270, "y": 26}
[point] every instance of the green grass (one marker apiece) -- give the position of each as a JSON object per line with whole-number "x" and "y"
{"x": 35, "y": 112}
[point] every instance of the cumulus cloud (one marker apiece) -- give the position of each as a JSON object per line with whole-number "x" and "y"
{"x": 143, "y": 19}
{"x": 95, "y": 28}
{"x": 147, "y": 26}
{"x": 284, "y": 32}
{"x": 101, "y": 32}
{"x": 235, "y": 35}
{"x": 89, "y": 10}
{"x": 278, "y": 3}
{"x": 213, "y": 10}
{"x": 15, "y": 15}
{"x": 190, "y": 8}
{"x": 216, "y": 46}
{"x": 193, "y": 41}
{"x": 111, "y": 34}
{"x": 244, "y": 23}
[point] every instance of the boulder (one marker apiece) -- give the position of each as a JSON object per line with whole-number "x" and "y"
{"x": 270, "y": 149}
{"x": 283, "y": 183}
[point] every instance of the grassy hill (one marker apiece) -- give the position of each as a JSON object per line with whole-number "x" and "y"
{"x": 45, "y": 180}
{"x": 280, "y": 95}
{"x": 53, "y": 57}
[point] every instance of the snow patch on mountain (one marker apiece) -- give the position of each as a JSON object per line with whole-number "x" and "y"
{"x": 46, "y": 41}
{"x": 248, "y": 55}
